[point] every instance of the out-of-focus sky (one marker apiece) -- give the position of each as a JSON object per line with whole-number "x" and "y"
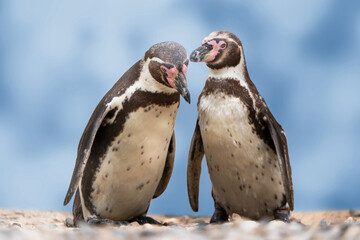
{"x": 58, "y": 59}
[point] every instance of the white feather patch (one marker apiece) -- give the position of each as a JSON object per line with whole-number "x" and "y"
{"x": 244, "y": 171}
{"x": 133, "y": 165}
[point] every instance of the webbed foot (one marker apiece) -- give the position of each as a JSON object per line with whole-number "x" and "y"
{"x": 219, "y": 216}
{"x": 99, "y": 221}
{"x": 142, "y": 219}
{"x": 283, "y": 214}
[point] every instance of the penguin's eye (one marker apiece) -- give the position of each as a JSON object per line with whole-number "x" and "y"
{"x": 223, "y": 45}
{"x": 163, "y": 69}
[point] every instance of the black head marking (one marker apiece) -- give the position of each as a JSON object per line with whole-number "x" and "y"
{"x": 224, "y": 48}
{"x": 230, "y": 57}
{"x": 168, "y": 66}
{"x": 169, "y": 52}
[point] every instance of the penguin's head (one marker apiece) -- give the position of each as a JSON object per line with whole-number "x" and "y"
{"x": 219, "y": 49}
{"x": 168, "y": 65}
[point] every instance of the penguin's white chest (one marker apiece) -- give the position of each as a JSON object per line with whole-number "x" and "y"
{"x": 133, "y": 166}
{"x": 244, "y": 171}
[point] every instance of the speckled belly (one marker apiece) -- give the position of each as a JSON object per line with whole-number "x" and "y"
{"x": 133, "y": 166}
{"x": 244, "y": 171}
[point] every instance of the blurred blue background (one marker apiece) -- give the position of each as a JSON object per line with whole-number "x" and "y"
{"x": 58, "y": 59}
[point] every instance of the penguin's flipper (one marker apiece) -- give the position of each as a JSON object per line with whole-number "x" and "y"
{"x": 196, "y": 154}
{"x": 169, "y": 165}
{"x": 280, "y": 141}
{"x": 101, "y": 112}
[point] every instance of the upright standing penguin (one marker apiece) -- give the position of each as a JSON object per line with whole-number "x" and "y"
{"x": 245, "y": 147}
{"x": 126, "y": 153}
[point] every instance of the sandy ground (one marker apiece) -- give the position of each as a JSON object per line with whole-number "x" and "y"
{"x": 25, "y": 224}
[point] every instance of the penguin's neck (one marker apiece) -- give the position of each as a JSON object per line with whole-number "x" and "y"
{"x": 235, "y": 72}
{"x": 238, "y": 73}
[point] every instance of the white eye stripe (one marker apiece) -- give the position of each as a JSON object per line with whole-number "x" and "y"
{"x": 227, "y": 39}
{"x": 231, "y": 40}
{"x": 155, "y": 59}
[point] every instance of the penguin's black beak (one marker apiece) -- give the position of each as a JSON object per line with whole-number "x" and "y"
{"x": 201, "y": 53}
{"x": 181, "y": 86}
